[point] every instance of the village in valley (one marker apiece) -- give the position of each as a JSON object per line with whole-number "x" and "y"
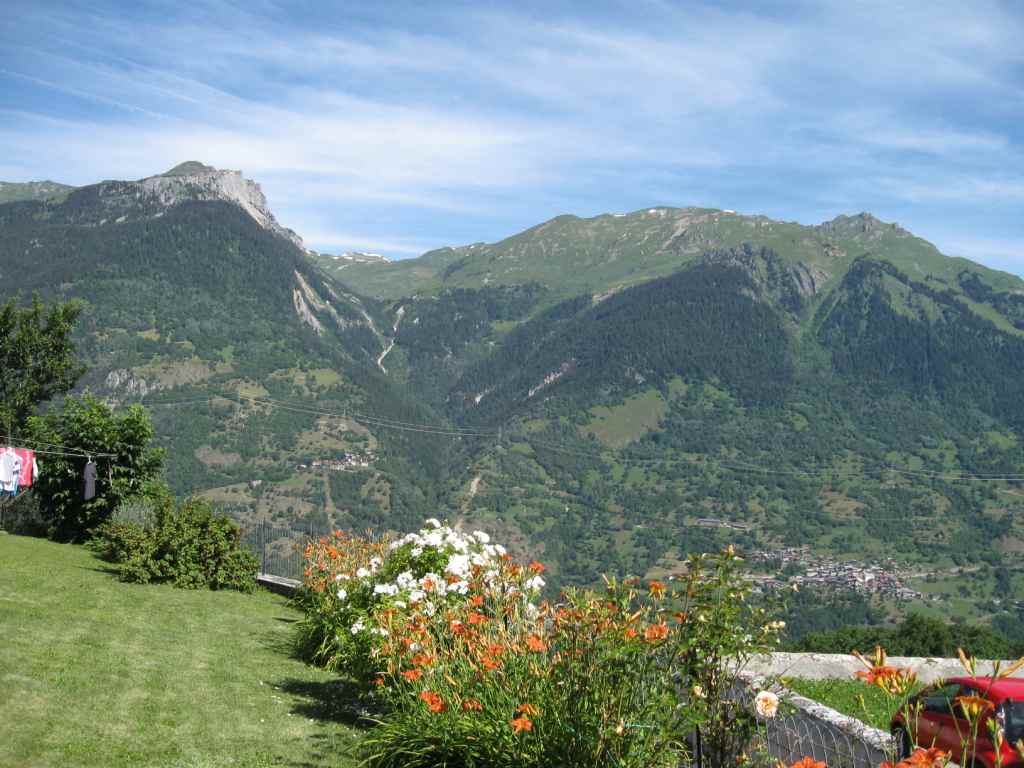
{"x": 347, "y": 461}
{"x": 799, "y": 566}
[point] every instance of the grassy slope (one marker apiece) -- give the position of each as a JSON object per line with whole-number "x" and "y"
{"x": 95, "y": 672}
{"x": 571, "y": 255}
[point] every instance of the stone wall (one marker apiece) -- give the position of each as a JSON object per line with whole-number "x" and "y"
{"x": 826, "y": 666}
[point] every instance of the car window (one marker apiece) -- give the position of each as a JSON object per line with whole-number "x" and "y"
{"x": 941, "y": 699}
{"x": 1014, "y": 715}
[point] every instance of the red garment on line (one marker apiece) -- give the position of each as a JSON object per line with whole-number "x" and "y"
{"x": 28, "y": 467}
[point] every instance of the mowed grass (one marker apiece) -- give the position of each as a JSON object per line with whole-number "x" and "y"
{"x": 96, "y": 672}
{"x": 867, "y": 703}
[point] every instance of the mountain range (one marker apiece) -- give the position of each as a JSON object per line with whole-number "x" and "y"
{"x": 605, "y": 393}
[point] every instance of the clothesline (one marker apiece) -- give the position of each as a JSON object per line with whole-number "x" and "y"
{"x": 18, "y": 467}
{"x": 39, "y": 447}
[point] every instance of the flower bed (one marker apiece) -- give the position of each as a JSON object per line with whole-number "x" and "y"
{"x": 450, "y": 634}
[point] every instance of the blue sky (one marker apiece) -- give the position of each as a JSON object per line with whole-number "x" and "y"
{"x": 398, "y": 127}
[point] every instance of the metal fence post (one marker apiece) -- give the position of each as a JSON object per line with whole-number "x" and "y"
{"x": 263, "y": 544}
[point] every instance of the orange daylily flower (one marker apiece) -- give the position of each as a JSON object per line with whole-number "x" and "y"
{"x": 434, "y": 702}
{"x": 890, "y": 679}
{"x": 412, "y": 675}
{"x": 808, "y": 762}
{"x": 536, "y": 567}
{"x": 528, "y": 709}
{"x": 922, "y": 758}
{"x": 656, "y": 633}
{"x": 521, "y": 724}
{"x": 477, "y": 618}
{"x": 656, "y": 588}
{"x": 973, "y": 706}
{"x": 535, "y": 644}
{"x": 476, "y": 601}
{"x": 630, "y": 633}
{"x": 471, "y": 705}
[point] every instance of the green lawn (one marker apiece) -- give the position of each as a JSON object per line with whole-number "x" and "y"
{"x": 95, "y": 672}
{"x": 851, "y": 697}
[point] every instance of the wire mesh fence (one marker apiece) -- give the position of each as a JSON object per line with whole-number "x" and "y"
{"x": 279, "y": 548}
{"x": 788, "y": 738}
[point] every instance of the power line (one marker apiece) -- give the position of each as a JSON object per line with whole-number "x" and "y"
{"x": 738, "y": 466}
{"x": 347, "y": 414}
{"x": 820, "y": 471}
{"x": 299, "y": 409}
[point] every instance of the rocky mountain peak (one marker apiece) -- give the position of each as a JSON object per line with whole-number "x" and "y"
{"x": 193, "y": 181}
{"x": 862, "y": 224}
{"x": 190, "y": 168}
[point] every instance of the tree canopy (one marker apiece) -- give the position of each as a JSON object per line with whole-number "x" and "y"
{"x": 37, "y": 357}
{"x": 126, "y": 464}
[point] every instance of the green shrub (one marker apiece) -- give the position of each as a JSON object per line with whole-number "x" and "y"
{"x": 191, "y": 547}
{"x": 121, "y": 542}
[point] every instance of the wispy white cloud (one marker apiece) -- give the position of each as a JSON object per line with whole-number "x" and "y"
{"x": 962, "y": 189}
{"x": 469, "y": 119}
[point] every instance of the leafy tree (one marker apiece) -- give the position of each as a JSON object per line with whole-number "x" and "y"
{"x": 37, "y": 357}
{"x": 127, "y": 465}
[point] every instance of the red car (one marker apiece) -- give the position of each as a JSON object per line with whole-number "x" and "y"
{"x": 936, "y": 719}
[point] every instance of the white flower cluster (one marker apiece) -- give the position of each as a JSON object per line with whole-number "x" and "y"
{"x": 461, "y": 553}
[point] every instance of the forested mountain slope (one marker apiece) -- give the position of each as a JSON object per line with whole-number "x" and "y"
{"x": 653, "y": 383}
{"x": 606, "y": 393}
{"x": 195, "y": 295}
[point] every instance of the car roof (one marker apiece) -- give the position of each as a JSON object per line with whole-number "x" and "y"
{"x": 1004, "y": 688}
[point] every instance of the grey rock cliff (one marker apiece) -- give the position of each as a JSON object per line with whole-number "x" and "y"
{"x": 193, "y": 181}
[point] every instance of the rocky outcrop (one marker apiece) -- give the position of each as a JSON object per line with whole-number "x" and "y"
{"x": 123, "y": 382}
{"x": 305, "y": 313}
